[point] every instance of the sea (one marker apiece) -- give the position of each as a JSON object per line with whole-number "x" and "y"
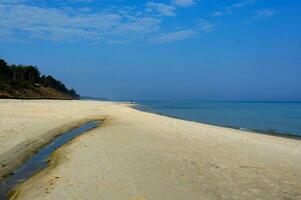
{"x": 280, "y": 118}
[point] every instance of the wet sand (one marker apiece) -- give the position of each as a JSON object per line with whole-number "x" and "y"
{"x": 136, "y": 155}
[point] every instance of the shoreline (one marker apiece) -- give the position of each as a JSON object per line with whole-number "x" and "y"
{"x": 27, "y": 149}
{"x": 15, "y": 158}
{"x": 31, "y": 148}
{"x": 159, "y": 156}
{"x": 271, "y": 133}
{"x": 276, "y": 134}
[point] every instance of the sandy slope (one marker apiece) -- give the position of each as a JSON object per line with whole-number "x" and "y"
{"x": 137, "y": 156}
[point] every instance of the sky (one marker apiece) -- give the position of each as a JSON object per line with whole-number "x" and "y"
{"x": 160, "y": 50}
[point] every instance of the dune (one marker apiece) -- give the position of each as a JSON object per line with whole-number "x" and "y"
{"x": 136, "y": 155}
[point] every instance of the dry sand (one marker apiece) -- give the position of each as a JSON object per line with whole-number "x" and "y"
{"x": 138, "y": 156}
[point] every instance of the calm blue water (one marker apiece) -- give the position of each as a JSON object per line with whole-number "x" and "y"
{"x": 267, "y": 117}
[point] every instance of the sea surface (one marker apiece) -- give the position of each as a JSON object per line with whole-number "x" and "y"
{"x": 283, "y": 118}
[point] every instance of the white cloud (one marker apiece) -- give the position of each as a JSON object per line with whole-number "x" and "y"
{"x": 175, "y": 36}
{"x": 259, "y": 14}
{"x": 58, "y": 21}
{"x": 71, "y": 24}
{"x": 184, "y": 3}
{"x": 231, "y": 8}
{"x": 138, "y": 25}
{"x": 242, "y": 4}
{"x": 205, "y": 25}
{"x": 163, "y": 9}
{"x": 218, "y": 13}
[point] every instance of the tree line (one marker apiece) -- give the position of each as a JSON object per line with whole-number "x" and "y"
{"x": 30, "y": 76}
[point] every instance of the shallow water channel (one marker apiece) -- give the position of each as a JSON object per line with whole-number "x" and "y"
{"x": 39, "y": 160}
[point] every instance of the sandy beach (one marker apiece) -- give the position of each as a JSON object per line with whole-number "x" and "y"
{"x": 136, "y": 155}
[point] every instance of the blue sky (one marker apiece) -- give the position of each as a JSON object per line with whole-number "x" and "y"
{"x": 173, "y": 49}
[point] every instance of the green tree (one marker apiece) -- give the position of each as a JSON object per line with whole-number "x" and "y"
{"x": 32, "y": 74}
{"x": 20, "y": 77}
{"x": 4, "y": 70}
